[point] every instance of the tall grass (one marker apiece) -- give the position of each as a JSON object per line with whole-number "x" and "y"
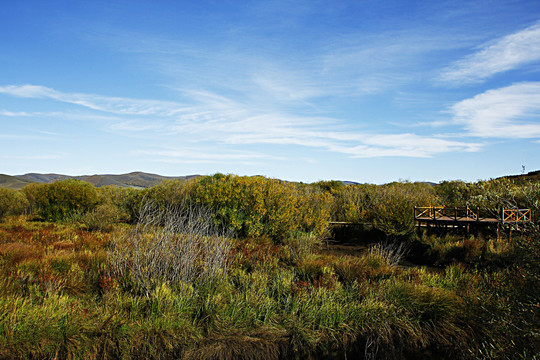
{"x": 393, "y": 252}
{"x": 59, "y": 299}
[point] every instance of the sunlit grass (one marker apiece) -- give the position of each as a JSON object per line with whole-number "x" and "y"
{"x": 59, "y": 299}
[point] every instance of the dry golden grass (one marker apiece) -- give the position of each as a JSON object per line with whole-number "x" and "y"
{"x": 263, "y": 343}
{"x": 16, "y": 252}
{"x": 63, "y": 245}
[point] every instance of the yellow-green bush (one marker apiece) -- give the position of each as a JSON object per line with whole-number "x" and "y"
{"x": 61, "y": 199}
{"x": 254, "y": 206}
{"x": 172, "y": 192}
{"x": 103, "y": 217}
{"x": 388, "y": 207}
{"x": 12, "y": 202}
{"x": 126, "y": 200}
{"x": 456, "y": 193}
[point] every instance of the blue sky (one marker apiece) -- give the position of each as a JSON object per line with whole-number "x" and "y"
{"x": 368, "y": 91}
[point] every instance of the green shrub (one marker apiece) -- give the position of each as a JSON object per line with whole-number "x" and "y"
{"x": 103, "y": 217}
{"x": 456, "y": 193}
{"x": 254, "y": 206}
{"x": 390, "y": 207}
{"x": 125, "y": 200}
{"x": 301, "y": 244}
{"x": 31, "y": 191}
{"x": 173, "y": 193}
{"x": 12, "y": 202}
{"x": 61, "y": 199}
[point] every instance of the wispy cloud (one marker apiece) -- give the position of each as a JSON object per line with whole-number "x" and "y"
{"x": 190, "y": 156}
{"x": 7, "y": 113}
{"x": 51, "y": 133}
{"x": 26, "y": 136}
{"x": 508, "y": 112}
{"x": 32, "y": 157}
{"x": 115, "y": 105}
{"x": 417, "y": 146}
{"x": 501, "y": 55}
{"x": 336, "y": 65}
{"x": 135, "y": 126}
{"x": 227, "y": 121}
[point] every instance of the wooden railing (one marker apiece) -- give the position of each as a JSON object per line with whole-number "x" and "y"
{"x": 446, "y": 213}
{"x": 516, "y": 215}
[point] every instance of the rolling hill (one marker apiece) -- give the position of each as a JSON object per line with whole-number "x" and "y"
{"x": 134, "y": 179}
{"x": 530, "y": 176}
{"x": 12, "y": 182}
{"x": 140, "y": 179}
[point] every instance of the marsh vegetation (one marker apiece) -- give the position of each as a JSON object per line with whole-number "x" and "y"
{"x": 231, "y": 267}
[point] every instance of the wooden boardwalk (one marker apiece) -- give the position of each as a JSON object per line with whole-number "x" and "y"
{"x": 445, "y": 218}
{"x": 465, "y": 217}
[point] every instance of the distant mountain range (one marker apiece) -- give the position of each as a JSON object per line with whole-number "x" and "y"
{"x": 145, "y": 180}
{"x": 135, "y": 179}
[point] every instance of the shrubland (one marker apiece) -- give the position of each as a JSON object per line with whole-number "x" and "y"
{"x": 12, "y": 202}
{"x": 255, "y": 206}
{"x": 232, "y": 267}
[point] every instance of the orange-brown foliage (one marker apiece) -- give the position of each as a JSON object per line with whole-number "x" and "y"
{"x": 63, "y": 245}
{"x": 19, "y": 252}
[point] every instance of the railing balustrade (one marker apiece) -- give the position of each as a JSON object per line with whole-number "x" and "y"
{"x": 443, "y": 213}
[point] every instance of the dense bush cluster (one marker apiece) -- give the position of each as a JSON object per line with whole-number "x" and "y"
{"x": 61, "y": 199}
{"x": 254, "y": 206}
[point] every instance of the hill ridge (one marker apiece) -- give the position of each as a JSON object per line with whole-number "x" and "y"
{"x": 136, "y": 179}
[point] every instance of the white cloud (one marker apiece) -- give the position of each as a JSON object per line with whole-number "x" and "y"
{"x": 509, "y": 112}
{"x": 26, "y": 136}
{"x": 33, "y": 157}
{"x": 224, "y": 120}
{"x": 337, "y": 65}
{"x": 14, "y": 113}
{"x": 501, "y": 55}
{"x": 116, "y": 105}
{"x": 418, "y": 146}
{"x": 196, "y": 156}
{"x": 51, "y": 133}
{"x": 131, "y": 125}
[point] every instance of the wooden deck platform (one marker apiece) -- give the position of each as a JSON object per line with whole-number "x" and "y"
{"x": 442, "y": 216}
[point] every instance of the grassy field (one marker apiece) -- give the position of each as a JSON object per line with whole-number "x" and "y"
{"x": 229, "y": 267}
{"x": 61, "y": 299}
